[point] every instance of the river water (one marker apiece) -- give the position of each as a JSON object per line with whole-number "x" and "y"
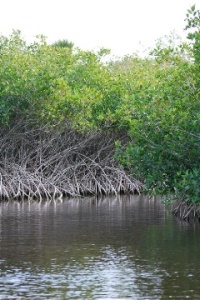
{"x": 129, "y": 247}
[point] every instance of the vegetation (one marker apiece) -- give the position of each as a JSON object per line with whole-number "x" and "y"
{"x": 52, "y": 141}
{"x": 141, "y": 114}
{"x": 164, "y": 151}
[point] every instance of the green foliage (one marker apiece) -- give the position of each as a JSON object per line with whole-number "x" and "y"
{"x": 155, "y": 100}
{"x": 63, "y": 44}
{"x": 193, "y": 25}
{"x": 187, "y": 186}
{"x": 165, "y": 121}
{"x": 53, "y": 83}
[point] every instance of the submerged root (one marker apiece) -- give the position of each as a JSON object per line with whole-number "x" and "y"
{"x": 37, "y": 163}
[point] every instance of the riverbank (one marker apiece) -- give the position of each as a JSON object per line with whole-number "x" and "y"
{"x": 43, "y": 163}
{"x": 39, "y": 163}
{"x": 186, "y": 211}
{"x": 97, "y": 127}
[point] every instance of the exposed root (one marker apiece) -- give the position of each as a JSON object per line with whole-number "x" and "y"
{"x": 185, "y": 211}
{"x": 41, "y": 163}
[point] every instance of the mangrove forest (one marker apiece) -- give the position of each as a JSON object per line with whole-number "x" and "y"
{"x": 76, "y": 123}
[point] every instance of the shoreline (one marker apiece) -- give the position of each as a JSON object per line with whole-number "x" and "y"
{"x": 40, "y": 163}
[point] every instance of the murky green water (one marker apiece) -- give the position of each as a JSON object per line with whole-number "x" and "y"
{"x": 114, "y": 248}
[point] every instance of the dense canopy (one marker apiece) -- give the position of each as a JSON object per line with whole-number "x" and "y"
{"x": 152, "y": 101}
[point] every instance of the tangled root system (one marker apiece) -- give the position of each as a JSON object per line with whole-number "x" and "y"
{"x": 186, "y": 211}
{"x": 37, "y": 163}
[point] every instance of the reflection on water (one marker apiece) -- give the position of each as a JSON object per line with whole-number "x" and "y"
{"x": 112, "y": 248}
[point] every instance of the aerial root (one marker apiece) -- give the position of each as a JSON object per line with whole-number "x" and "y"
{"x": 37, "y": 164}
{"x": 185, "y": 211}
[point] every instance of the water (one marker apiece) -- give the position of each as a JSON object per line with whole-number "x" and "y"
{"x": 113, "y": 248}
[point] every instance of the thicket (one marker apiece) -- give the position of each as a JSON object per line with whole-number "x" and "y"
{"x": 165, "y": 122}
{"x": 149, "y": 107}
{"x": 55, "y": 106}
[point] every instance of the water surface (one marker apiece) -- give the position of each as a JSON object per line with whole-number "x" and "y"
{"x": 112, "y": 248}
